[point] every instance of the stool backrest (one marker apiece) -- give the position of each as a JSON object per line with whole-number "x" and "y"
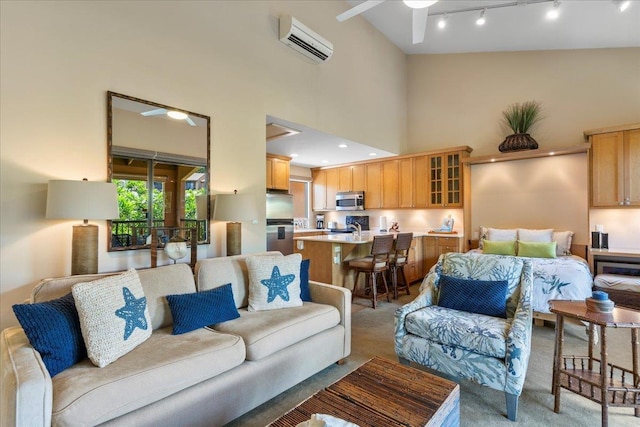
{"x": 401, "y": 252}
{"x": 382, "y": 246}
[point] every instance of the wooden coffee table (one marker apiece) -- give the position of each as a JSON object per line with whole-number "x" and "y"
{"x": 383, "y": 393}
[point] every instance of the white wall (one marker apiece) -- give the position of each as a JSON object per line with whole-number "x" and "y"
{"x": 218, "y": 58}
{"x": 623, "y": 226}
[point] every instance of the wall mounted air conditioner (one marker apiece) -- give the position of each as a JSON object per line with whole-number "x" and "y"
{"x": 298, "y": 36}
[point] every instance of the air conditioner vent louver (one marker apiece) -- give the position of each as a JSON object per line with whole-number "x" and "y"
{"x": 298, "y": 36}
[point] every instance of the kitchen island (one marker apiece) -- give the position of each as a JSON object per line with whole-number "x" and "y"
{"x": 330, "y": 254}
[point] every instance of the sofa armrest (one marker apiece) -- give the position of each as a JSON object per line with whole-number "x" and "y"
{"x": 519, "y": 336}
{"x": 27, "y": 395}
{"x": 338, "y": 297}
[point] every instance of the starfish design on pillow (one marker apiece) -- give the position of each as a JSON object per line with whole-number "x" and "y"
{"x": 277, "y": 284}
{"x": 132, "y": 312}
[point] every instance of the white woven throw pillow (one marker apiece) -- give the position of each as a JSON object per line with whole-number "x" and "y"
{"x": 114, "y": 317}
{"x": 274, "y": 282}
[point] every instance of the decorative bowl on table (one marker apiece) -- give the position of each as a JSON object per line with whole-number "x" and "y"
{"x": 599, "y": 302}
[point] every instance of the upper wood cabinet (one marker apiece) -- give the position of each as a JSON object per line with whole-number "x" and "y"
{"x": 373, "y": 186}
{"x": 444, "y": 179}
{"x": 390, "y": 179}
{"x": 277, "y": 172}
{"x": 614, "y": 160}
{"x": 351, "y": 178}
{"x": 325, "y": 186}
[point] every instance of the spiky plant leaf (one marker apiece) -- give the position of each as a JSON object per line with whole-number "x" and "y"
{"x": 520, "y": 117}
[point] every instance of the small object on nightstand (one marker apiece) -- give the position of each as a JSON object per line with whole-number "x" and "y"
{"x": 599, "y": 302}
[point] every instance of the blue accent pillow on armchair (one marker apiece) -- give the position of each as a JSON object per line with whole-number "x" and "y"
{"x": 200, "y": 309}
{"x": 53, "y": 329}
{"x": 475, "y": 296}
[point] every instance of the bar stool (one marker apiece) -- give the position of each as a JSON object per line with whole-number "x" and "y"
{"x": 397, "y": 262}
{"x": 372, "y": 266}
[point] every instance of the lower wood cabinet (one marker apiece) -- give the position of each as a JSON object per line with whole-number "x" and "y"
{"x": 413, "y": 271}
{"x": 434, "y": 246}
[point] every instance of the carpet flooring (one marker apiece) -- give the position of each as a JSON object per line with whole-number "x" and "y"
{"x": 372, "y": 335}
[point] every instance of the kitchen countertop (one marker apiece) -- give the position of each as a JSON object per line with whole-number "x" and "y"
{"x": 367, "y": 236}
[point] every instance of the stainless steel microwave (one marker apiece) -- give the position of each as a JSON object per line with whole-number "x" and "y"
{"x": 350, "y": 201}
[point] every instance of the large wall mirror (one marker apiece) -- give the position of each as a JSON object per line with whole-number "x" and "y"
{"x": 159, "y": 157}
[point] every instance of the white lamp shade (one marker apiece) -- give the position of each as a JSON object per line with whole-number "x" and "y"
{"x": 234, "y": 207}
{"x": 82, "y": 200}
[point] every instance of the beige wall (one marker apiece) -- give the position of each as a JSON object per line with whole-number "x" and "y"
{"x": 458, "y": 99}
{"x": 218, "y": 58}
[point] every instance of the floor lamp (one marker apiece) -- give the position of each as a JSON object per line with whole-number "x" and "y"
{"x": 234, "y": 208}
{"x": 82, "y": 200}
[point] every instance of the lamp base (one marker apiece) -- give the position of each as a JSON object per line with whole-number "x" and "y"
{"x": 84, "y": 249}
{"x": 234, "y": 238}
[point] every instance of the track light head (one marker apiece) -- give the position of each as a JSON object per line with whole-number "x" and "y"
{"x": 443, "y": 21}
{"x": 481, "y": 20}
{"x": 554, "y": 12}
{"x": 622, "y": 5}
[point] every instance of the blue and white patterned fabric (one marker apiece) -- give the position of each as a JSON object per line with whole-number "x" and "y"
{"x": 491, "y": 351}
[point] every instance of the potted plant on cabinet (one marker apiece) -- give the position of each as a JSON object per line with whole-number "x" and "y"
{"x": 520, "y": 118}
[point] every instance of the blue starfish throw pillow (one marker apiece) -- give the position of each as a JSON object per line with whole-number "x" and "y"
{"x": 274, "y": 282}
{"x": 114, "y": 317}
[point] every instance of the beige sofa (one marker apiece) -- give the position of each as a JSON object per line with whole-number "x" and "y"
{"x": 204, "y": 377}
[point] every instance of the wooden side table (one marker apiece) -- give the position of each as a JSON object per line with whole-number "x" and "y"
{"x": 588, "y": 376}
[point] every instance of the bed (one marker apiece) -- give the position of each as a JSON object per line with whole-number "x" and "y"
{"x": 566, "y": 277}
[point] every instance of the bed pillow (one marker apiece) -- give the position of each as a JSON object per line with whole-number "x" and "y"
{"x": 537, "y": 249}
{"x": 274, "y": 282}
{"x": 507, "y": 247}
{"x": 114, "y": 317}
{"x": 502, "y": 234}
{"x": 53, "y": 329}
{"x": 563, "y": 240}
{"x": 527, "y": 235}
{"x": 305, "y": 295}
{"x": 475, "y": 296}
{"x": 199, "y": 309}
{"x": 484, "y": 234}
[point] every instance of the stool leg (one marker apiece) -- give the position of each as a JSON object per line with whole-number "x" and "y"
{"x": 386, "y": 288}
{"x": 355, "y": 285}
{"x": 394, "y": 281}
{"x": 404, "y": 280}
{"x": 374, "y": 290}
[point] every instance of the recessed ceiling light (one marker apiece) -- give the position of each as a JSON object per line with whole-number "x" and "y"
{"x": 343, "y": 145}
{"x": 373, "y": 154}
{"x": 294, "y": 154}
{"x": 493, "y": 160}
{"x": 178, "y": 115}
{"x": 325, "y": 161}
{"x": 552, "y": 153}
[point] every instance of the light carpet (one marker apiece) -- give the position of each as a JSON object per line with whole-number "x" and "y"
{"x": 372, "y": 335}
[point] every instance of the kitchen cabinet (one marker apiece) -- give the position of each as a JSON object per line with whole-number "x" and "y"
{"x": 332, "y": 188}
{"x": 434, "y": 246}
{"x": 413, "y": 270}
{"x": 390, "y": 178}
{"x": 405, "y": 183}
{"x": 351, "y": 178}
{"x": 325, "y": 187}
{"x": 278, "y": 172}
{"x": 614, "y": 160}
{"x": 445, "y": 180}
{"x": 373, "y": 186}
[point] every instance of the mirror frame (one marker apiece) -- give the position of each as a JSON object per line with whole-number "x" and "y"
{"x": 110, "y": 96}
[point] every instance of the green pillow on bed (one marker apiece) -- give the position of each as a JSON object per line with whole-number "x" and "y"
{"x": 499, "y": 247}
{"x": 537, "y": 249}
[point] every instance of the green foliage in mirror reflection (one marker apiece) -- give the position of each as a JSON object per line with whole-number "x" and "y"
{"x": 132, "y": 200}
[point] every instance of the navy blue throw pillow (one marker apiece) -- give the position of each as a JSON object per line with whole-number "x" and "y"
{"x": 53, "y": 329}
{"x": 200, "y": 309}
{"x": 474, "y": 296}
{"x": 304, "y": 280}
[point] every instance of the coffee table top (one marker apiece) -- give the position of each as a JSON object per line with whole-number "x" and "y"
{"x": 384, "y": 393}
{"x": 620, "y": 317}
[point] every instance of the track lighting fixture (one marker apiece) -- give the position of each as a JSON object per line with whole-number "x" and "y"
{"x": 622, "y": 5}
{"x": 443, "y": 21}
{"x": 554, "y": 12}
{"x": 481, "y": 20}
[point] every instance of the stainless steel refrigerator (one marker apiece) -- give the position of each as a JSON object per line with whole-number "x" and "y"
{"x": 280, "y": 222}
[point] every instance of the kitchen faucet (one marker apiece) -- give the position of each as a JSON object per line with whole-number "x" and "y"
{"x": 358, "y": 229}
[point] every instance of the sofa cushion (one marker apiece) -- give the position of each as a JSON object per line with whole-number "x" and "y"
{"x": 53, "y": 329}
{"x": 274, "y": 282}
{"x": 475, "y": 296}
{"x": 113, "y": 316}
{"x": 199, "y": 309}
{"x": 479, "y": 333}
{"x": 266, "y": 332}
{"x": 161, "y": 366}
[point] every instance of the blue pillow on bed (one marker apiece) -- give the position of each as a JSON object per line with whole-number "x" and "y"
{"x": 475, "y": 296}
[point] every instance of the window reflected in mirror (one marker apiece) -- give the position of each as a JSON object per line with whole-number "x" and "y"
{"x": 160, "y": 167}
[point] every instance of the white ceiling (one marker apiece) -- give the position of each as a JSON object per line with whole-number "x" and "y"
{"x": 582, "y": 24}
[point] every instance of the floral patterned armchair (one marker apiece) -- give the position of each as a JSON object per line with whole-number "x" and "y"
{"x": 491, "y": 351}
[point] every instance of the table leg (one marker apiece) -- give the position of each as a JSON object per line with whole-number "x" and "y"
{"x": 634, "y": 357}
{"x": 603, "y": 376}
{"x": 592, "y": 332}
{"x": 557, "y": 360}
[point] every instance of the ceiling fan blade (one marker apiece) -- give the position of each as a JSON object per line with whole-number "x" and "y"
{"x": 191, "y": 122}
{"x": 419, "y": 24}
{"x": 357, "y": 10}
{"x": 155, "y": 112}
